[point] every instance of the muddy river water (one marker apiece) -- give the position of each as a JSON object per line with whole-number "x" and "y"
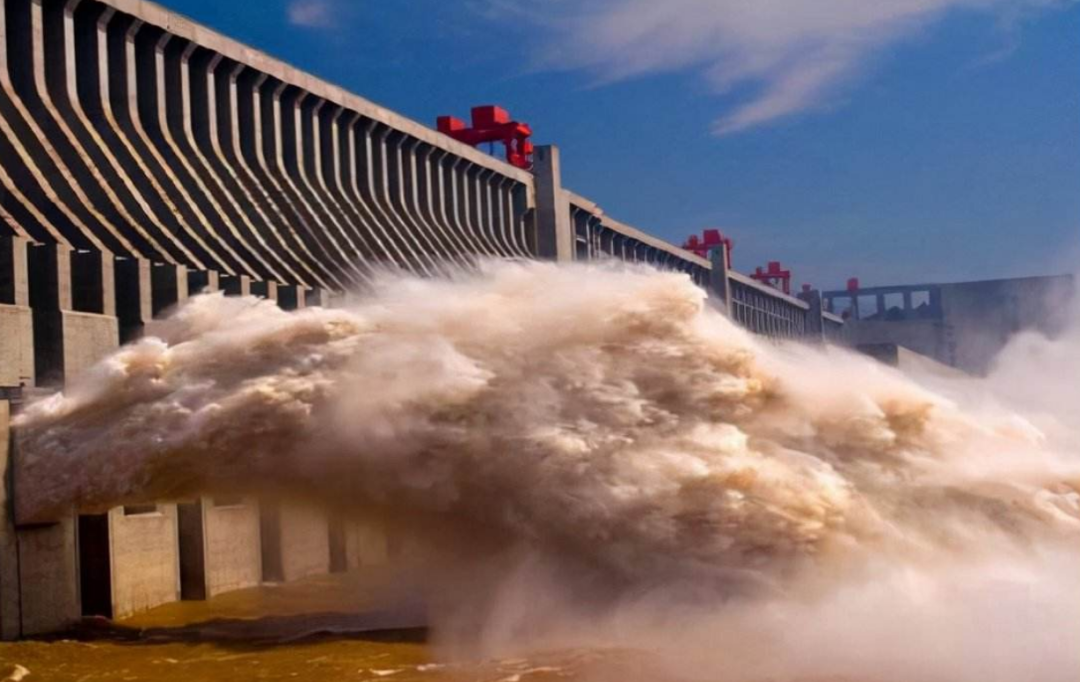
{"x": 324, "y": 628}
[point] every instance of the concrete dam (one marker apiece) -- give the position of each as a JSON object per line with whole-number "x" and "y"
{"x": 144, "y": 159}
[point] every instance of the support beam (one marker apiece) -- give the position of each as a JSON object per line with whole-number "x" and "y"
{"x": 169, "y": 284}
{"x": 66, "y": 340}
{"x": 203, "y": 281}
{"x": 815, "y": 316}
{"x": 134, "y": 304}
{"x": 16, "y": 323}
{"x": 267, "y": 290}
{"x": 14, "y": 277}
{"x": 291, "y": 297}
{"x": 719, "y": 283}
{"x": 236, "y": 286}
{"x": 554, "y": 234}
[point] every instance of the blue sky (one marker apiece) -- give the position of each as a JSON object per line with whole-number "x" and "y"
{"x": 893, "y": 140}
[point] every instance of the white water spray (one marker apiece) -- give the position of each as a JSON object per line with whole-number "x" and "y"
{"x": 764, "y": 511}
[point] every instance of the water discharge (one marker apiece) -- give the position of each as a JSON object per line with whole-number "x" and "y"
{"x": 594, "y": 456}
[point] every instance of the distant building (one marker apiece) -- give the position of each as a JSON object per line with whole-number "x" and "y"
{"x": 963, "y": 325}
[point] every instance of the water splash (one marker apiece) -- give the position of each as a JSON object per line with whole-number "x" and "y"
{"x": 603, "y": 417}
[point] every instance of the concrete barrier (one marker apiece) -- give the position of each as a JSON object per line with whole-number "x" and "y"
{"x": 305, "y": 541}
{"x": 143, "y": 550}
{"x": 233, "y": 548}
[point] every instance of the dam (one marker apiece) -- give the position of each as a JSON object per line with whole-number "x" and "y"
{"x": 145, "y": 159}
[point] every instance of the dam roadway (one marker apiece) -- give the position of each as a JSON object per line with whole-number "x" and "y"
{"x": 145, "y": 158}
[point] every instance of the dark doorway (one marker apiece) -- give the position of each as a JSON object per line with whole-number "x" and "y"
{"x": 338, "y": 560}
{"x": 192, "y": 557}
{"x": 95, "y": 573}
{"x": 270, "y": 538}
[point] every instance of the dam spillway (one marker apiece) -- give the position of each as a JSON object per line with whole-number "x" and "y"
{"x": 145, "y": 158}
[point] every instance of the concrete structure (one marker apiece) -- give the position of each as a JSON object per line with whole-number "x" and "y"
{"x": 962, "y": 325}
{"x": 229, "y": 564}
{"x": 908, "y": 360}
{"x": 144, "y": 158}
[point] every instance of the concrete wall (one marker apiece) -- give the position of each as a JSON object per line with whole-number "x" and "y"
{"x": 305, "y": 541}
{"x": 145, "y": 559}
{"x": 233, "y": 555}
{"x": 48, "y": 577}
{"x": 980, "y": 317}
{"x": 925, "y": 336}
{"x": 88, "y": 338}
{"x": 908, "y": 360}
{"x": 16, "y": 346}
{"x": 366, "y": 544}
{"x": 970, "y": 322}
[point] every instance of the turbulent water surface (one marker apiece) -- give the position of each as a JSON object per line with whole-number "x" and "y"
{"x": 591, "y": 455}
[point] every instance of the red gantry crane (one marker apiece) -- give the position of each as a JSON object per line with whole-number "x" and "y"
{"x": 492, "y": 124}
{"x": 775, "y": 275}
{"x": 709, "y": 240}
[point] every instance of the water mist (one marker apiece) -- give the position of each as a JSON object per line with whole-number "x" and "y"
{"x": 598, "y": 458}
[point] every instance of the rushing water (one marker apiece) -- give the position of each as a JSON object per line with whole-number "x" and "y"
{"x": 592, "y": 457}
{"x": 318, "y": 629}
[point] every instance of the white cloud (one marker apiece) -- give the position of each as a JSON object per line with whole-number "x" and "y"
{"x": 789, "y": 55}
{"x": 311, "y": 13}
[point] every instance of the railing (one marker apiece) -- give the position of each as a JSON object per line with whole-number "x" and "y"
{"x": 765, "y": 310}
{"x": 757, "y": 306}
{"x": 599, "y": 236}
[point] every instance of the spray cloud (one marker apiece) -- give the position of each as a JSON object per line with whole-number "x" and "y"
{"x": 765, "y": 511}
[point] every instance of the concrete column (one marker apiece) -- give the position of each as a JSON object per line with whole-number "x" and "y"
{"x": 316, "y": 298}
{"x": 203, "y": 281}
{"x": 815, "y": 315}
{"x": 134, "y": 304}
{"x": 554, "y": 233}
{"x": 67, "y": 341}
{"x": 907, "y": 301}
{"x": 16, "y": 323}
{"x": 267, "y": 290}
{"x": 233, "y": 551}
{"x": 290, "y": 297}
{"x": 50, "y": 297}
{"x": 14, "y": 277}
{"x": 236, "y": 285}
{"x": 304, "y": 540}
{"x": 366, "y": 543}
{"x": 93, "y": 278}
{"x": 144, "y": 558}
{"x": 38, "y": 568}
{"x": 718, "y": 278}
{"x": 169, "y": 286}
{"x": 9, "y": 554}
{"x": 935, "y": 301}
{"x": 880, "y": 303}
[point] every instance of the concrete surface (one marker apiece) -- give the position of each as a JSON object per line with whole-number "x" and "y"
{"x": 366, "y": 544}
{"x": 305, "y": 541}
{"x": 145, "y": 559}
{"x": 233, "y": 558}
{"x": 48, "y": 577}
{"x": 16, "y": 346}
{"x": 962, "y": 325}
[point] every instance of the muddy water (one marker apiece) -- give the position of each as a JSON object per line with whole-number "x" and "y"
{"x": 325, "y": 628}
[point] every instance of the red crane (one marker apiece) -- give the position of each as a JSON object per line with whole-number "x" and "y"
{"x": 709, "y": 240}
{"x": 775, "y": 276}
{"x": 492, "y": 124}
